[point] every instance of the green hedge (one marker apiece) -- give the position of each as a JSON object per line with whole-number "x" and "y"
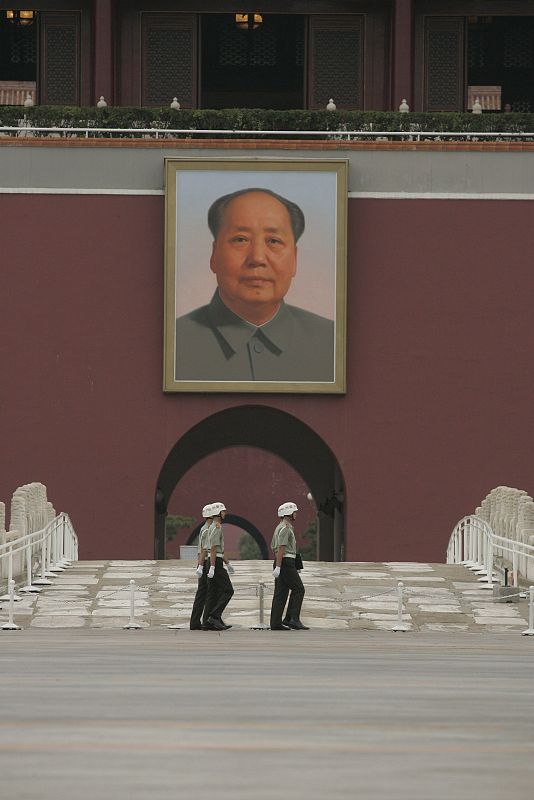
{"x": 263, "y": 120}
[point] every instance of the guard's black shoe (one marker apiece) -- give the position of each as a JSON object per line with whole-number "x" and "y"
{"x": 216, "y": 624}
{"x": 206, "y": 627}
{"x": 296, "y": 625}
{"x": 195, "y": 627}
{"x": 280, "y": 627}
{"x": 226, "y": 627}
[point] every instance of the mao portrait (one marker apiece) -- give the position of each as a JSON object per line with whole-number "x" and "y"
{"x": 255, "y": 276}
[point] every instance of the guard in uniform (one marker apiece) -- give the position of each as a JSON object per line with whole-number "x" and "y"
{"x": 286, "y": 576}
{"x": 195, "y": 622}
{"x": 220, "y": 589}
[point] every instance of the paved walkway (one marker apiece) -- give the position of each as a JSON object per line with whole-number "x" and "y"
{"x": 251, "y": 715}
{"x": 343, "y": 596}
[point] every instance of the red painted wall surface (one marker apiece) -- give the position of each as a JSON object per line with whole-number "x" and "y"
{"x": 440, "y": 381}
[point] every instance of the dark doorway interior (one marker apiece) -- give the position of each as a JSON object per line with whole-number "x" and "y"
{"x": 259, "y": 65}
{"x": 501, "y": 53}
{"x": 18, "y": 50}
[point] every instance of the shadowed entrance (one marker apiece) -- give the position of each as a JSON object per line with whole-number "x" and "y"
{"x": 276, "y": 432}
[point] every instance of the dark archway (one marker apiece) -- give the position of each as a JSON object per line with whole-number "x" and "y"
{"x": 267, "y": 429}
{"x": 241, "y": 522}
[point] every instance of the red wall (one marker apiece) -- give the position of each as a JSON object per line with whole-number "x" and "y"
{"x": 440, "y": 381}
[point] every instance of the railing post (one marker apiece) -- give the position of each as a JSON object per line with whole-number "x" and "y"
{"x": 43, "y": 580}
{"x": 132, "y": 624}
{"x": 400, "y": 625}
{"x": 56, "y": 563}
{"x": 530, "y": 630}
{"x": 10, "y": 624}
{"x": 29, "y": 588}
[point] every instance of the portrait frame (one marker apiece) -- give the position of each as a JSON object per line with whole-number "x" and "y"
{"x": 320, "y": 188}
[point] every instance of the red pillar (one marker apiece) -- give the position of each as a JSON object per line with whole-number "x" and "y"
{"x": 403, "y": 44}
{"x": 103, "y": 51}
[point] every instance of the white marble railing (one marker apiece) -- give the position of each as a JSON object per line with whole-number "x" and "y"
{"x": 30, "y": 512}
{"x": 510, "y": 512}
{"x": 502, "y": 528}
{"x": 14, "y": 93}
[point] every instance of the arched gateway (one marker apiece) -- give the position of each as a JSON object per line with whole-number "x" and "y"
{"x": 276, "y": 432}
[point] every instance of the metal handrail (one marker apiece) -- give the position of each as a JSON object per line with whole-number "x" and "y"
{"x": 57, "y": 545}
{"x": 474, "y": 544}
{"x": 414, "y": 135}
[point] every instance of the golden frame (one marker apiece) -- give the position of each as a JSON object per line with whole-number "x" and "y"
{"x": 178, "y": 175}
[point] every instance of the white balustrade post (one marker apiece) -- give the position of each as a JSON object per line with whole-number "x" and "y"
{"x": 10, "y": 624}
{"x": 56, "y": 558}
{"x": 29, "y": 588}
{"x": 515, "y": 577}
{"x": 530, "y": 630}
{"x": 63, "y": 558}
{"x": 43, "y": 580}
{"x": 132, "y": 624}
{"x": 399, "y": 625}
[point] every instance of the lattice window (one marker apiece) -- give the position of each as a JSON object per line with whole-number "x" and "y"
{"x": 476, "y": 49}
{"x": 239, "y": 48}
{"x": 522, "y": 106}
{"x": 263, "y": 50}
{"x": 233, "y": 45}
{"x": 443, "y": 69}
{"x": 299, "y": 48}
{"x": 61, "y": 65}
{"x": 338, "y": 76}
{"x": 168, "y": 66}
{"x": 518, "y": 47}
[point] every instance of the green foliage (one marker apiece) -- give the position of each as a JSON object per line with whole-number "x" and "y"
{"x": 174, "y": 523}
{"x": 263, "y": 121}
{"x": 308, "y": 549}
{"x": 248, "y": 548}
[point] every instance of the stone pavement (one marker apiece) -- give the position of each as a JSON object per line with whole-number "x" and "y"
{"x": 251, "y": 715}
{"x": 339, "y": 596}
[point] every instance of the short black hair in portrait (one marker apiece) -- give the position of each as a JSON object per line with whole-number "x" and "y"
{"x": 218, "y": 207}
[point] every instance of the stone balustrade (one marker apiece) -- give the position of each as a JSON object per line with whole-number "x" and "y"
{"x": 510, "y": 512}
{"x": 30, "y": 511}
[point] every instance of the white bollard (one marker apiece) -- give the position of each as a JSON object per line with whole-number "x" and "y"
{"x": 132, "y": 624}
{"x": 260, "y": 593}
{"x": 530, "y": 630}
{"x": 10, "y": 625}
{"x": 400, "y": 625}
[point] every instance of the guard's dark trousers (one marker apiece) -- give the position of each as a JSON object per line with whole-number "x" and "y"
{"x": 220, "y": 591}
{"x": 288, "y": 581}
{"x": 200, "y": 600}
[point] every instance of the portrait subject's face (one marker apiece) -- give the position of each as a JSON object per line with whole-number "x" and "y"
{"x": 254, "y": 256}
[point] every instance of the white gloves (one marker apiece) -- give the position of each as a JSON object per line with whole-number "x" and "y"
{"x": 200, "y": 570}
{"x": 276, "y": 572}
{"x": 211, "y": 572}
{"x": 230, "y": 568}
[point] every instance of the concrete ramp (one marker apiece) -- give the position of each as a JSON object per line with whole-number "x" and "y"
{"x": 343, "y": 596}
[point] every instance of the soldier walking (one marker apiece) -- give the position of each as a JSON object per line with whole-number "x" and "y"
{"x": 195, "y": 623}
{"x": 220, "y": 589}
{"x": 285, "y": 573}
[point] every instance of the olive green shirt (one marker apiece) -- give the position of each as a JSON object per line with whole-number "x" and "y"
{"x": 284, "y": 535}
{"x": 216, "y": 538}
{"x": 202, "y": 538}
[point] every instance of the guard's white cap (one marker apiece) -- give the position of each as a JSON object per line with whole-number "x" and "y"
{"x": 286, "y": 509}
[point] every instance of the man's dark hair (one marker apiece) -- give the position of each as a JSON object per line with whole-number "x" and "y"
{"x": 218, "y": 207}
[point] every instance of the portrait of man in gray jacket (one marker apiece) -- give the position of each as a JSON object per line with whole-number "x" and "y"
{"x": 247, "y": 332}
